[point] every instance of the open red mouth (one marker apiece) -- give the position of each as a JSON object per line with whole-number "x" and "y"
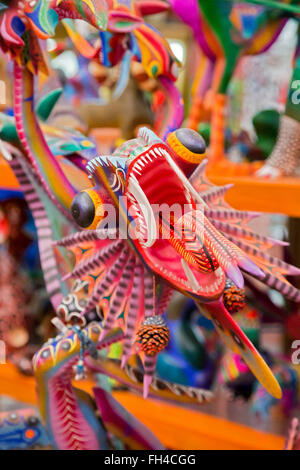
{"x": 151, "y": 184}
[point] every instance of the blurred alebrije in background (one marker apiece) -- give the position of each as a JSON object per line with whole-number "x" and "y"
{"x": 130, "y": 282}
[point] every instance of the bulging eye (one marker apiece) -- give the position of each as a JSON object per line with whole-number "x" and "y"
{"x": 87, "y": 209}
{"x": 191, "y": 140}
{"x": 188, "y": 145}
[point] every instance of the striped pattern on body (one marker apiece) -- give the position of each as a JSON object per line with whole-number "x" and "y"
{"x": 164, "y": 299}
{"x": 202, "y": 254}
{"x": 57, "y": 186}
{"x": 44, "y": 232}
{"x": 159, "y": 387}
{"x": 102, "y": 256}
{"x": 283, "y": 286}
{"x": 149, "y": 294}
{"x": 229, "y": 214}
{"x": 105, "y": 284}
{"x": 95, "y": 13}
{"x": 243, "y": 233}
{"x": 243, "y": 241}
{"x": 149, "y": 361}
{"x": 136, "y": 308}
{"x": 215, "y": 192}
{"x": 123, "y": 277}
{"x": 71, "y": 428}
{"x": 257, "y": 253}
{"x": 85, "y": 236}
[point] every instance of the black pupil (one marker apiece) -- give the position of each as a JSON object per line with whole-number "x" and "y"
{"x": 191, "y": 140}
{"x": 75, "y": 211}
{"x": 32, "y": 421}
{"x": 83, "y": 209}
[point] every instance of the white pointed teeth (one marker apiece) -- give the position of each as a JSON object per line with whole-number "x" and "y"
{"x": 144, "y": 212}
{"x": 148, "y": 136}
{"x": 106, "y": 161}
{"x": 190, "y": 276}
{"x": 153, "y": 154}
{"x": 140, "y": 162}
{"x": 95, "y": 162}
{"x": 146, "y": 159}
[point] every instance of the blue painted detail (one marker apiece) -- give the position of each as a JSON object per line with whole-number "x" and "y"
{"x": 18, "y": 26}
{"x": 105, "y": 38}
{"x": 22, "y": 434}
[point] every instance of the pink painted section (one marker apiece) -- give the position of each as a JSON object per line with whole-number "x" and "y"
{"x": 69, "y": 426}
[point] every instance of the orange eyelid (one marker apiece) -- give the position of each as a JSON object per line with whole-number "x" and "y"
{"x": 98, "y": 203}
{"x": 183, "y": 152}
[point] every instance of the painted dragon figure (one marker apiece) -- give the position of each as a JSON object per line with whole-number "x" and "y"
{"x": 69, "y": 415}
{"x": 19, "y": 38}
{"x": 196, "y": 266}
{"x": 47, "y": 183}
{"x": 137, "y": 255}
{"x": 71, "y": 419}
{"x": 60, "y": 179}
{"x": 133, "y": 265}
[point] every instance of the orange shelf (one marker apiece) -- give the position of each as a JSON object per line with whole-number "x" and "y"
{"x": 185, "y": 429}
{"x": 280, "y": 196}
{"x": 7, "y": 178}
{"x": 177, "y": 427}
